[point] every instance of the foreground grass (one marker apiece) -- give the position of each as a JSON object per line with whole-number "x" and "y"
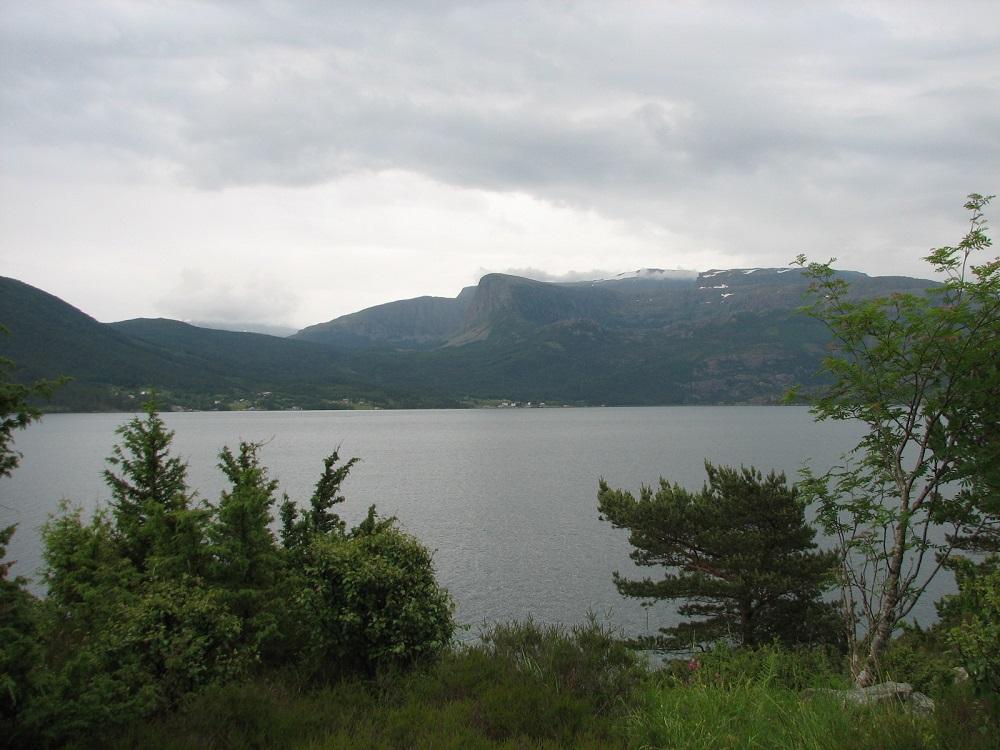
{"x": 754, "y": 699}
{"x": 428, "y": 714}
{"x": 752, "y": 715}
{"x": 352, "y": 715}
{"x": 526, "y": 686}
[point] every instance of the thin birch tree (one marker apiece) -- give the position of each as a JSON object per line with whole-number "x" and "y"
{"x": 922, "y": 374}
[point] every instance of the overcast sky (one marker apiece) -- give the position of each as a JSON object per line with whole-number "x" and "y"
{"x": 290, "y": 162}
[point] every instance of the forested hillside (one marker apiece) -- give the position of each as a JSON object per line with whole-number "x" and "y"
{"x": 649, "y": 337}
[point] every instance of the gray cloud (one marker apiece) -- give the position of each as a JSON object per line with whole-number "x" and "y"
{"x": 762, "y": 127}
{"x": 540, "y": 275}
{"x": 252, "y": 304}
{"x": 578, "y": 100}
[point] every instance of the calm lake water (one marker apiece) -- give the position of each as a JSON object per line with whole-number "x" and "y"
{"x": 506, "y": 498}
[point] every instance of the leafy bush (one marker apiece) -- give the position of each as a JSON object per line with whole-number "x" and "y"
{"x": 175, "y": 638}
{"x": 159, "y": 599}
{"x": 922, "y": 658}
{"x": 975, "y": 610}
{"x": 163, "y": 598}
{"x": 165, "y": 642}
{"x": 372, "y": 600}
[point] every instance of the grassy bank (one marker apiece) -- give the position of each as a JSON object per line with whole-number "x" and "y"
{"x": 546, "y": 687}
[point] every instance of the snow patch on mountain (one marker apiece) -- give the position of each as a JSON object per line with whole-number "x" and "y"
{"x": 654, "y": 274}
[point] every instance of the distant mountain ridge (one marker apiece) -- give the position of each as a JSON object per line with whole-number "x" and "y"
{"x": 413, "y": 321}
{"x": 644, "y": 337}
{"x": 270, "y": 329}
{"x": 116, "y": 366}
{"x": 502, "y": 305}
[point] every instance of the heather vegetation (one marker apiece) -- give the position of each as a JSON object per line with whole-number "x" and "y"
{"x": 173, "y": 622}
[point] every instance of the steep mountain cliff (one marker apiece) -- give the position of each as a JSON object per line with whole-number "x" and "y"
{"x": 510, "y": 308}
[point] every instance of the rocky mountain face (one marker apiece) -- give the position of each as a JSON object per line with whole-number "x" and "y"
{"x": 646, "y": 337}
{"x": 504, "y": 306}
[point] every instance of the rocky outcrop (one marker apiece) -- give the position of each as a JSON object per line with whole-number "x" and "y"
{"x": 900, "y": 693}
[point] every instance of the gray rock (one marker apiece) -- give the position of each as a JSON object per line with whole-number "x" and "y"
{"x": 920, "y": 703}
{"x": 886, "y": 692}
{"x": 881, "y": 693}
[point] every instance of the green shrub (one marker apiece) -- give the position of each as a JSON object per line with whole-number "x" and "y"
{"x": 372, "y": 601}
{"x": 262, "y": 713}
{"x": 158, "y": 600}
{"x": 177, "y": 637}
{"x": 169, "y": 640}
{"x": 466, "y": 699}
{"x": 923, "y": 658}
{"x": 974, "y": 615}
{"x": 86, "y": 575}
{"x": 589, "y": 660}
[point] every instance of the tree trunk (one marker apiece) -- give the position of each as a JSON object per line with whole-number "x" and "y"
{"x": 886, "y": 621}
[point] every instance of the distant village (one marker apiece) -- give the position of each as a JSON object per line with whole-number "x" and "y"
{"x": 268, "y": 401}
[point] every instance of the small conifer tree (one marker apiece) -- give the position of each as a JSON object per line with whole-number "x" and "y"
{"x": 156, "y": 526}
{"x": 738, "y": 554}
{"x": 244, "y": 546}
{"x": 298, "y": 527}
{"x": 247, "y": 563}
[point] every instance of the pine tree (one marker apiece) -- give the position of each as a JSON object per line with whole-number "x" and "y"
{"x": 156, "y": 526}
{"x": 738, "y": 553}
{"x": 20, "y": 654}
{"x": 245, "y": 552}
{"x": 298, "y": 527}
